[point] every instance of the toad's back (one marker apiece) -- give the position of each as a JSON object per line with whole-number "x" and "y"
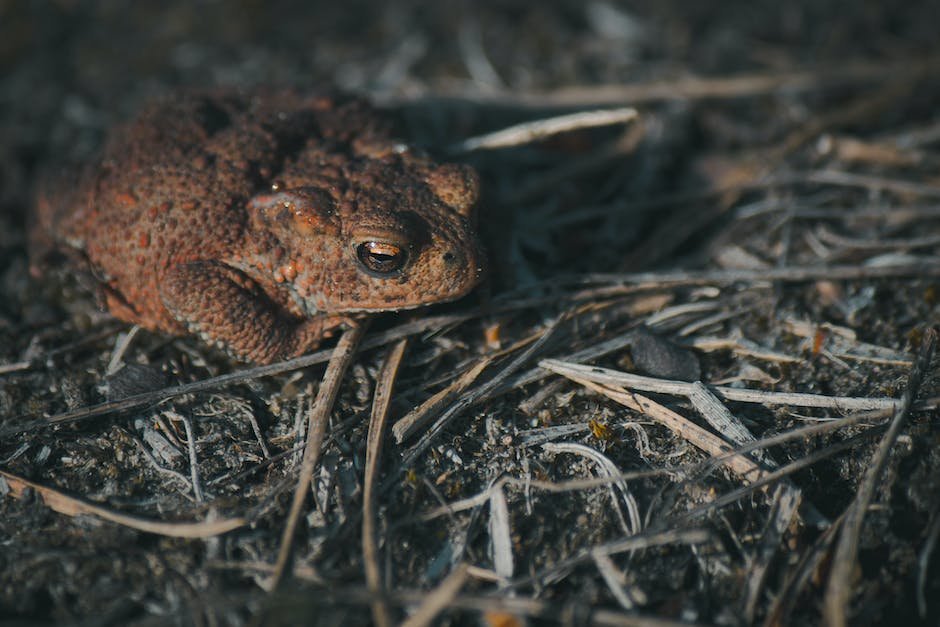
{"x": 190, "y": 181}
{"x": 179, "y": 176}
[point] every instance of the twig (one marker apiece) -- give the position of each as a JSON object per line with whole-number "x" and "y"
{"x": 438, "y": 599}
{"x": 746, "y": 348}
{"x": 418, "y": 417}
{"x": 851, "y": 179}
{"x": 616, "y": 582}
{"x": 120, "y": 348}
{"x": 474, "y": 56}
{"x": 16, "y": 366}
{"x": 49, "y": 356}
{"x": 233, "y": 479}
{"x": 899, "y": 213}
{"x": 193, "y": 458}
{"x": 711, "y": 88}
{"x": 319, "y": 416}
{"x": 699, "y": 437}
{"x": 785, "y": 274}
{"x": 500, "y": 536}
{"x": 879, "y": 243}
{"x": 594, "y": 351}
{"x": 839, "y": 589}
{"x": 782, "y": 513}
{"x": 800, "y": 576}
{"x": 149, "y": 456}
{"x": 923, "y": 560}
{"x": 726, "y": 423}
{"x": 721, "y": 419}
{"x": 74, "y": 506}
{"x": 256, "y": 429}
{"x": 845, "y": 344}
{"x": 478, "y": 393}
{"x": 606, "y": 468}
{"x": 606, "y": 376}
{"x": 681, "y": 310}
{"x": 377, "y": 421}
{"x": 540, "y": 129}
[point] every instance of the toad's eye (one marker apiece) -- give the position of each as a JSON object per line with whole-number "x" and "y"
{"x": 381, "y": 258}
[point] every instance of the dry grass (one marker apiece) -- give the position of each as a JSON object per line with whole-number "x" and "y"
{"x": 698, "y": 388}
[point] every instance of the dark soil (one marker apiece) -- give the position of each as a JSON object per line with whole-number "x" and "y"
{"x": 780, "y": 185}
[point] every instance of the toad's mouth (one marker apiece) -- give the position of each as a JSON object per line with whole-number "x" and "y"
{"x": 414, "y": 299}
{"x": 401, "y": 292}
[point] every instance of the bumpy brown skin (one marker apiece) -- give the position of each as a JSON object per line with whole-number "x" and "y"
{"x": 244, "y": 218}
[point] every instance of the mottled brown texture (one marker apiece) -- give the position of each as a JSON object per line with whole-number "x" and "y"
{"x": 245, "y": 218}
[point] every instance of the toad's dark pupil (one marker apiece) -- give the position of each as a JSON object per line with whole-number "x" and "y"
{"x": 381, "y": 257}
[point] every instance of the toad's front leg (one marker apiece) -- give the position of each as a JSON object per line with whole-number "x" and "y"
{"x": 223, "y": 305}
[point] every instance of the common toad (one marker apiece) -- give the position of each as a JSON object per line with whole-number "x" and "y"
{"x": 262, "y": 221}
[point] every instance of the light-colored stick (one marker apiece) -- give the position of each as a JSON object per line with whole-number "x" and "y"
{"x": 370, "y": 550}
{"x": 319, "y": 417}
{"x": 699, "y": 437}
{"x": 529, "y": 132}
{"x": 607, "y": 376}
{"x": 839, "y": 588}
{"x": 438, "y": 599}
{"x": 72, "y": 506}
{"x": 429, "y": 409}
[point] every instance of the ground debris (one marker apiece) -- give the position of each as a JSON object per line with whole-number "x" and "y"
{"x": 696, "y": 387}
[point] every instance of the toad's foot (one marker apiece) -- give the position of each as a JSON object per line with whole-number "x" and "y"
{"x": 224, "y": 306}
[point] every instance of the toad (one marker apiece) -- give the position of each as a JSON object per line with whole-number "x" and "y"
{"x": 261, "y": 221}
